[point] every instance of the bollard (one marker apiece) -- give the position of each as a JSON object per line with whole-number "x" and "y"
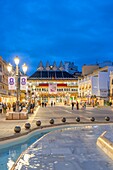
{"x": 78, "y": 119}
{"x": 17, "y": 129}
{"x": 92, "y": 119}
{"x": 27, "y": 125}
{"x": 107, "y": 118}
{"x": 38, "y": 123}
{"x": 51, "y": 121}
{"x": 63, "y": 119}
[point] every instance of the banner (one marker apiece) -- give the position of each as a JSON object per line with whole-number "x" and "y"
{"x": 23, "y": 83}
{"x": 52, "y": 88}
{"x": 11, "y": 83}
{"x": 103, "y": 93}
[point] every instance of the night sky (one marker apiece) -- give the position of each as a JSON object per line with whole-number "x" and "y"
{"x": 80, "y": 31}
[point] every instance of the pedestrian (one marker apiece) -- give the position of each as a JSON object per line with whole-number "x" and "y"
{"x": 31, "y": 107}
{"x": 42, "y": 104}
{"x": 14, "y": 106}
{"x": 77, "y": 105}
{"x": 45, "y": 104}
{"x": 85, "y": 105}
{"x": 9, "y": 106}
{"x": 0, "y": 107}
{"x": 72, "y": 105}
{"x": 54, "y": 103}
{"x": 4, "y": 106}
{"x": 28, "y": 107}
{"x": 51, "y": 103}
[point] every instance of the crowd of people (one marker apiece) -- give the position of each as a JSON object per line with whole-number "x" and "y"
{"x": 7, "y": 107}
{"x": 83, "y": 105}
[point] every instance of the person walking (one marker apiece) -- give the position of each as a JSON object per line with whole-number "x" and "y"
{"x": 51, "y": 103}
{"x": 14, "y": 106}
{"x": 77, "y": 105}
{"x": 0, "y": 107}
{"x": 4, "y": 108}
{"x": 72, "y": 105}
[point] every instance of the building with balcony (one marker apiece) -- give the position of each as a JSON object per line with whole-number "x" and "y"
{"x": 52, "y": 84}
{"x": 111, "y": 86}
{"x": 95, "y": 85}
{"x": 5, "y": 94}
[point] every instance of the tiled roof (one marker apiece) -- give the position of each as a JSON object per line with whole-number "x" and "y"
{"x": 51, "y": 75}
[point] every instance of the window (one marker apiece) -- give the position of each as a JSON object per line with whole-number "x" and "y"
{"x": 0, "y": 67}
{"x": 43, "y": 89}
{"x": 59, "y": 89}
{"x": 0, "y": 78}
{"x": 112, "y": 81}
{"x": 38, "y": 89}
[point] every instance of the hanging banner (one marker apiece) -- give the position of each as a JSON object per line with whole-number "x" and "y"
{"x": 52, "y": 88}
{"x": 11, "y": 83}
{"x": 23, "y": 83}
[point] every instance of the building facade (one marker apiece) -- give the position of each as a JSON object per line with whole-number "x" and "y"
{"x": 5, "y": 94}
{"x": 96, "y": 85}
{"x": 111, "y": 86}
{"x": 52, "y": 84}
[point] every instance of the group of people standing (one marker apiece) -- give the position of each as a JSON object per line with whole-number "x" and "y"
{"x": 77, "y": 105}
{"x": 4, "y": 107}
{"x": 44, "y": 104}
{"x": 52, "y": 104}
{"x": 30, "y": 106}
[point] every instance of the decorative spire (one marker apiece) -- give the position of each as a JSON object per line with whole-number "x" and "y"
{"x": 54, "y": 66}
{"x": 40, "y": 66}
{"x": 61, "y": 66}
{"x": 47, "y": 66}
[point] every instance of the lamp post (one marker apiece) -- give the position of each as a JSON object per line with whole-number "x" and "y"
{"x": 17, "y": 74}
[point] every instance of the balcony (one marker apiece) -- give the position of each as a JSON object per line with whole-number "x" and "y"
{"x": 2, "y": 91}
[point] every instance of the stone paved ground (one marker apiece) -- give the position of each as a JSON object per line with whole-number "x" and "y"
{"x": 72, "y": 148}
{"x": 57, "y": 112}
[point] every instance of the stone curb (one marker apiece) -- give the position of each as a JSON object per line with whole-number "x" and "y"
{"x": 106, "y": 145}
{"x": 16, "y": 135}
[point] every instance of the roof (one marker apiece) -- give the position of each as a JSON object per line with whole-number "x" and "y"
{"x": 51, "y": 75}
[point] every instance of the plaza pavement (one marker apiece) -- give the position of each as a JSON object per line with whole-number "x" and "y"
{"x": 57, "y": 113}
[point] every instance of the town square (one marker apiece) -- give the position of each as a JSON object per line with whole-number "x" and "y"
{"x": 56, "y": 85}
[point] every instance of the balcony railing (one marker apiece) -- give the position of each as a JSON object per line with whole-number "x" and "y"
{"x": 2, "y": 91}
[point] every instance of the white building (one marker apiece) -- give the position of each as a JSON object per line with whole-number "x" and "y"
{"x": 95, "y": 84}
{"x": 111, "y": 86}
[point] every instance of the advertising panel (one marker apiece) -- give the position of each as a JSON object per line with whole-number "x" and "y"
{"x": 23, "y": 83}
{"x": 11, "y": 83}
{"x": 52, "y": 88}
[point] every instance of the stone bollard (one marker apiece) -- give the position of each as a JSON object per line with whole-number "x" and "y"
{"x": 17, "y": 129}
{"x": 107, "y": 118}
{"x": 92, "y": 119}
{"x": 51, "y": 121}
{"x": 27, "y": 125}
{"x": 38, "y": 123}
{"x": 63, "y": 119}
{"x": 78, "y": 119}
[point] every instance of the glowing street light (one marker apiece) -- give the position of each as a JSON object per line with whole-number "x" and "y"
{"x": 24, "y": 68}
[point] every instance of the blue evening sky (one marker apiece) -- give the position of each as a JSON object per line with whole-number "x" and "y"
{"x": 80, "y": 31}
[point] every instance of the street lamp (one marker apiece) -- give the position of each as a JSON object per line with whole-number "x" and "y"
{"x": 24, "y": 68}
